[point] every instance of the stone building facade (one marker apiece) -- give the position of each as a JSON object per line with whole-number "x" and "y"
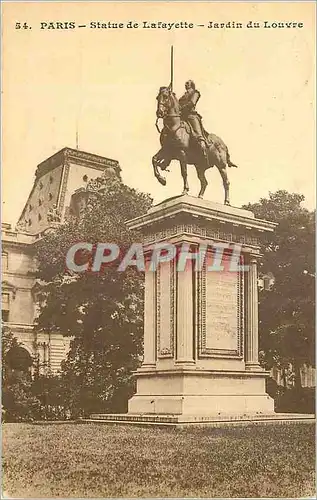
{"x": 56, "y": 180}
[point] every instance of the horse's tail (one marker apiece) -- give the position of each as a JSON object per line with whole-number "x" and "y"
{"x": 230, "y": 164}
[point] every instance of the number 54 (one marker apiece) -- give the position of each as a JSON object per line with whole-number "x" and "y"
{"x": 19, "y": 26}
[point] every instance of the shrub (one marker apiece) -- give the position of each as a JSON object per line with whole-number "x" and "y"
{"x": 296, "y": 400}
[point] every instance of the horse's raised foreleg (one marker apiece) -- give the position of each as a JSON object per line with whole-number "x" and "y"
{"x": 203, "y": 181}
{"x": 164, "y": 163}
{"x": 226, "y": 184}
{"x": 183, "y": 163}
{"x": 156, "y": 161}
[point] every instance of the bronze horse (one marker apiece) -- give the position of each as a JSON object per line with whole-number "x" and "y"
{"x": 178, "y": 143}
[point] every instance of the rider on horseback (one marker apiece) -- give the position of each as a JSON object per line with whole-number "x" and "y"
{"x": 182, "y": 124}
{"x": 189, "y": 114}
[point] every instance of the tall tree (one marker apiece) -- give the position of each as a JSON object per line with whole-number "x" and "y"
{"x": 102, "y": 312}
{"x": 287, "y": 310}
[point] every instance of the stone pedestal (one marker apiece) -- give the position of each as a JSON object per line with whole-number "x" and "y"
{"x": 201, "y": 325}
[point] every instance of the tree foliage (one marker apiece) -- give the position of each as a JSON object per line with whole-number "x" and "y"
{"x": 102, "y": 312}
{"x": 287, "y": 311}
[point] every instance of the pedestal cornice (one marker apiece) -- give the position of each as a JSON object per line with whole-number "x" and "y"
{"x": 192, "y": 219}
{"x": 174, "y": 208}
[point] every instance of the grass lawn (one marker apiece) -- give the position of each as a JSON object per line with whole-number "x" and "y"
{"x": 78, "y": 460}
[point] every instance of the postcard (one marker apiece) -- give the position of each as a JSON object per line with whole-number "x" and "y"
{"x": 158, "y": 261}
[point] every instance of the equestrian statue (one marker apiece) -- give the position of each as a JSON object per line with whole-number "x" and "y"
{"x": 184, "y": 138}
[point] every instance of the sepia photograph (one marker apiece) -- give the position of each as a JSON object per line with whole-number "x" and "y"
{"x": 158, "y": 249}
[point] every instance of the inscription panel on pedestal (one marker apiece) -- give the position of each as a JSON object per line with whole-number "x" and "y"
{"x": 220, "y": 313}
{"x": 165, "y": 309}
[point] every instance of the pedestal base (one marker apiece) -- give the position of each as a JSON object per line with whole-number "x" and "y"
{"x": 221, "y": 404}
{"x": 205, "y": 392}
{"x": 179, "y": 421}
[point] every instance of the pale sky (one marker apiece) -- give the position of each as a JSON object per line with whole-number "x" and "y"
{"x": 257, "y": 93}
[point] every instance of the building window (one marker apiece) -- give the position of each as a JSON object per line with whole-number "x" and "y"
{"x": 30, "y": 222}
{"x": 5, "y": 309}
{"x": 50, "y": 196}
{"x": 19, "y": 359}
{"x": 40, "y": 202}
{"x": 51, "y": 179}
{"x": 41, "y": 185}
{"x": 30, "y": 208}
{"x": 266, "y": 282}
{"x": 4, "y": 261}
{"x": 5, "y": 316}
{"x": 39, "y": 217}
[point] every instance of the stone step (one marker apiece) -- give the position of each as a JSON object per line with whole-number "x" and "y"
{"x": 199, "y": 420}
